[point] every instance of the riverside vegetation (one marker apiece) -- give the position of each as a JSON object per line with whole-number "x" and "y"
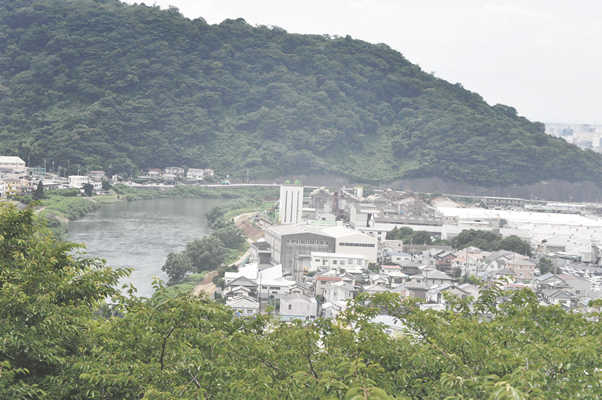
{"x": 117, "y": 87}
{"x": 214, "y": 252}
{"x": 62, "y": 341}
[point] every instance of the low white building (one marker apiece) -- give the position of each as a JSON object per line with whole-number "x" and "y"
{"x": 78, "y": 181}
{"x": 177, "y": 171}
{"x": 298, "y": 305}
{"x": 327, "y": 261}
{"x": 350, "y": 241}
{"x": 12, "y": 167}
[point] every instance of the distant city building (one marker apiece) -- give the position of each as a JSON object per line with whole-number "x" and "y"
{"x": 291, "y": 203}
{"x": 502, "y": 202}
{"x": 11, "y": 167}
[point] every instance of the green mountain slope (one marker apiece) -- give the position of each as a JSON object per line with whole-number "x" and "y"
{"x": 116, "y": 86}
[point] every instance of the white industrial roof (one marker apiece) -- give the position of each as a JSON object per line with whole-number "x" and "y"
{"x": 11, "y": 160}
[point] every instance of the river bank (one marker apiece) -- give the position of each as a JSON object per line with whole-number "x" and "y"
{"x": 63, "y": 206}
{"x": 141, "y": 234}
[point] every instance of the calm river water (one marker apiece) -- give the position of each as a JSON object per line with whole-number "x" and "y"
{"x": 140, "y": 234}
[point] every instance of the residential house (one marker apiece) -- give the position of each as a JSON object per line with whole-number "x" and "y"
{"x": 330, "y": 277}
{"x": 194, "y": 174}
{"x": 298, "y": 305}
{"x": 333, "y": 309}
{"x": 339, "y": 291}
{"x": 557, "y": 296}
{"x": 411, "y": 267}
{"x": 177, "y": 171}
{"x": 431, "y": 278}
{"x": 443, "y": 260}
{"x": 300, "y": 288}
{"x": 244, "y": 306}
{"x": 19, "y": 187}
{"x": 373, "y": 289}
{"x": 170, "y": 179}
{"x": 396, "y": 278}
{"x": 240, "y": 286}
{"x": 397, "y": 257}
{"x": 154, "y": 174}
{"x": 499, "y": 260}
{"x": 411, "y": 289}
{"x": 378, "y": 279}
{"x": 271, "y": 282}
{"x": 576, "y": 285}
{"x": 436, "y": 294}
{"x": 470, "y": 289}
{"x": 523, "y": 269}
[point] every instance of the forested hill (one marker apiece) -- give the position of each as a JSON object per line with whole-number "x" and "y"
{"x": 114, "y": 86}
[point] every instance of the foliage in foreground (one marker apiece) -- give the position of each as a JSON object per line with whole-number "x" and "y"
{"x": 57, "y": 346}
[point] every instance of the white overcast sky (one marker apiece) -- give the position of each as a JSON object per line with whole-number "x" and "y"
{"x": 543, "y": 57}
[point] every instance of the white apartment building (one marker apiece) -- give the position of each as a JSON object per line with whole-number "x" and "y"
{"x": 328, "y": 261}
{"x": 78, "y": 181}
{"x": 12, "y": 167}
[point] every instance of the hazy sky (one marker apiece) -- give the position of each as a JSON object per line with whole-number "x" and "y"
{"x": 542, "y": 57}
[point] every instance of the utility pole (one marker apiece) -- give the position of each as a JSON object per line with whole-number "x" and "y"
{"x": 44, "y": 166}
{"x": 53, "y": 166}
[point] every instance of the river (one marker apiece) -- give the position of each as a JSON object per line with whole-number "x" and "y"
{"x": 140, "y": 234}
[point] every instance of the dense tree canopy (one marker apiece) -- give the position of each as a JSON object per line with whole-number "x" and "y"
{"x": 410, "y": 236}
{"x": 208, "y": 253}
{"x": 118, "y": 86}
{"x": 60, "y": 342}
{"x": 489, "y": 241}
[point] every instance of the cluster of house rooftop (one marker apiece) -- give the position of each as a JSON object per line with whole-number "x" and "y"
{"x": 23, "y": 180}
{"x": 171, "y": 175}
{"x": 340, "y": 277}
{"x": 316, "y": 254}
